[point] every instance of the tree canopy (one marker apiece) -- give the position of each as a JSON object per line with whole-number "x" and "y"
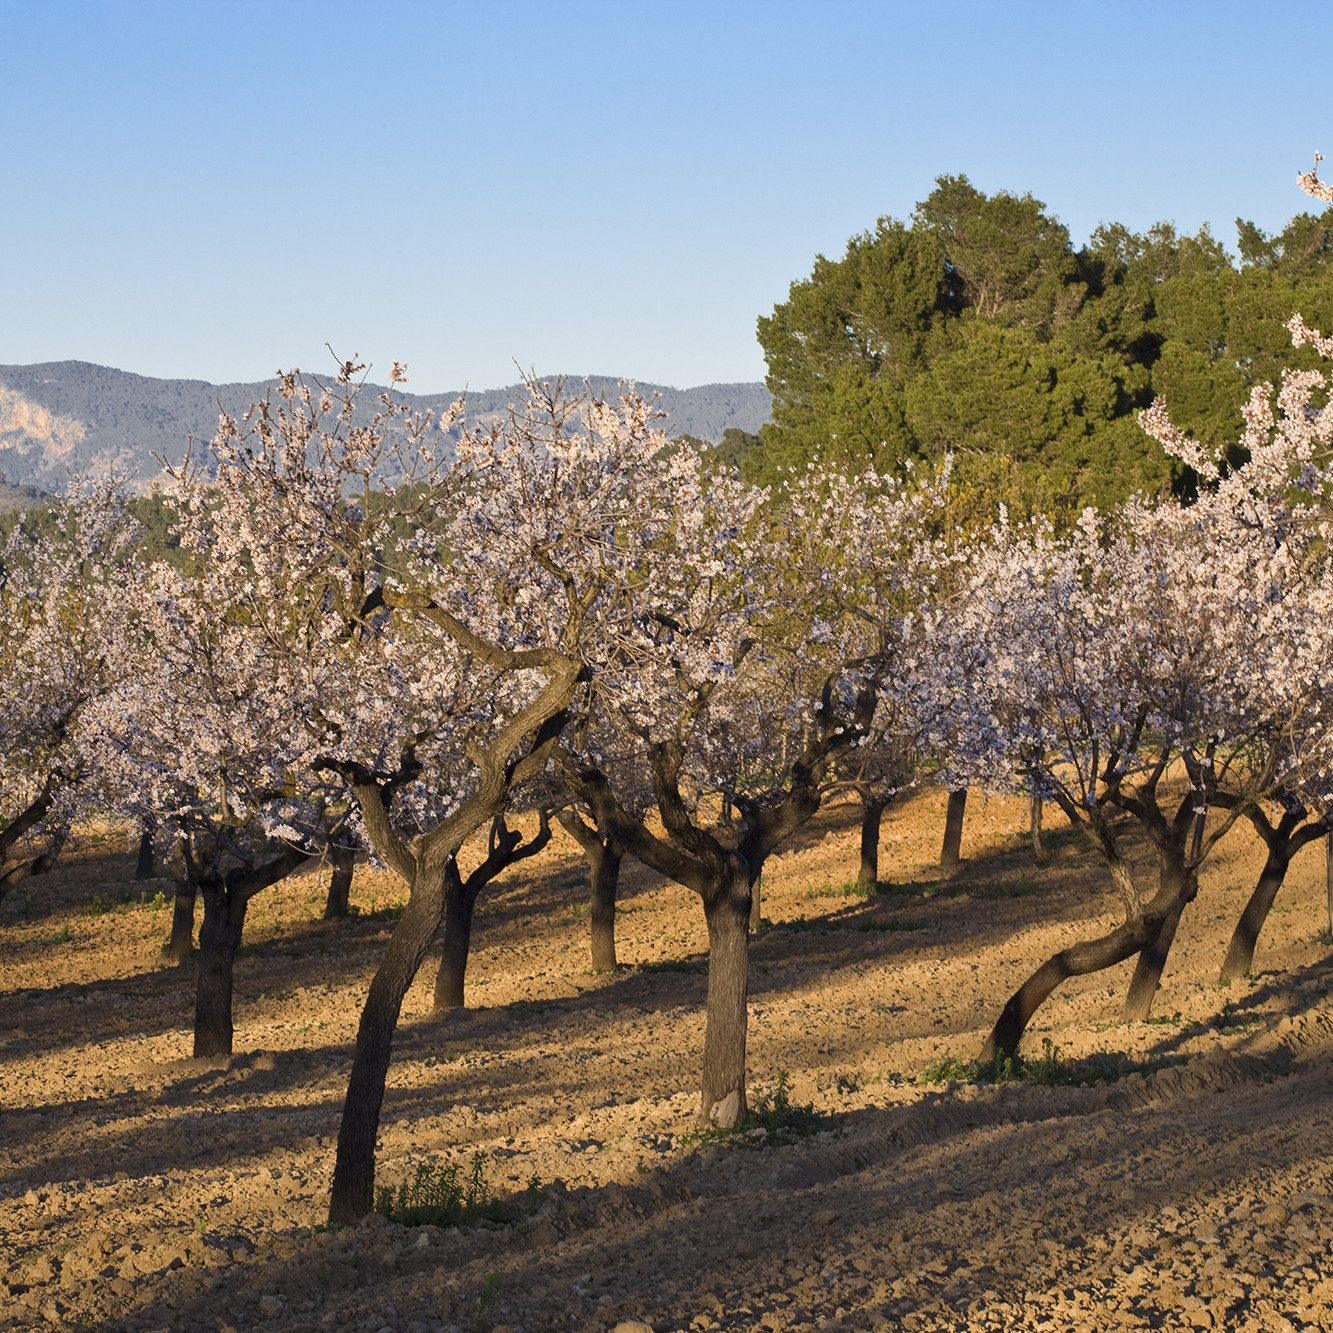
{"x": 978, "y": 329}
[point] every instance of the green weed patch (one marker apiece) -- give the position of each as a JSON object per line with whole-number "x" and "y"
{"x": 1049, "y": 1069}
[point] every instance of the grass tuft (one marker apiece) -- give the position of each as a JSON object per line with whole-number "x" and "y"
{"x": 772, "y": 1119}
{"x": 1049, "y": 1069}
{"x": 439, "y": 1194}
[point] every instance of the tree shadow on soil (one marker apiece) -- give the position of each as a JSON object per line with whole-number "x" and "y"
{"x": 963, "y": 1196}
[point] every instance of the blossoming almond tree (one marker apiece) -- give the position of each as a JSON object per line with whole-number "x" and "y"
{"x": 1162, "y": 638}
{"x": 66, "y": 602}
{"x": 206, "y": 735}
{"x": 744, "y": 688}
{"x": 452, "y": 597}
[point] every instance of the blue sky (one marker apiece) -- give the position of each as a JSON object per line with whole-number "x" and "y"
{"x": 217, "y": 189}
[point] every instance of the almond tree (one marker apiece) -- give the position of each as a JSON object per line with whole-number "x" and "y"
{"x": 505, "y": 847}
{"x": 66, "y": 606}
{"x": 207, "y": 736}
{"x": 1162, "y": 637}
{"x": 448, "y": 601}
{"x": 761, "y": 671}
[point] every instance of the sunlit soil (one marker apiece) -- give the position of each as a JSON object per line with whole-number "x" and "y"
{"x": 140, "y": 1187}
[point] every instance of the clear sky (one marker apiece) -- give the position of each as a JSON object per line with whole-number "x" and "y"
{"x": 619, "y": 187}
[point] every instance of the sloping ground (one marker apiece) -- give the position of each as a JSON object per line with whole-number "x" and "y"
{"x": 139, "y": 1189}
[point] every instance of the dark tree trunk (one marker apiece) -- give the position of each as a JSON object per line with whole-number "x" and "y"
{"x": 727, "y": 912}
{"x": 40, "y": 864}
{"x": 342, "y": 859}
{"x": 354, "y": 1169}
{"x": 1034, "y": 823}
{"x": 603, "y": 854}
{"x": 1093, "y": 956}
{"x": 1283, "y": 840}
{"x": 16, "y": 828}
{"x": 181, "y": 943}
{"x": 872, "y": 812}
{"x": 1152, "y": 958}
{"x": 505, "y": 848}
{"x": 1240, "y": 953}
{"x": 226, "y": 898}
{"x": 219, "y": 938}
{"x": 605, "y": 876}
{"x": 757, "y": 905}
{"x": 1148, "y": 932}
{"x": 146, "y": 865}
{"x": 458, "y": 909}
{"x": 951, "y": 853}
{"x": 1328, "y": 882}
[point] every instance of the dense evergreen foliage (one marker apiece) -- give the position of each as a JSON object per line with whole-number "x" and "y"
{"x": 979, "y": 329}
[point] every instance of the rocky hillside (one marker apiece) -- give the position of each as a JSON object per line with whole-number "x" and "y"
{"x": 64, "y": 416}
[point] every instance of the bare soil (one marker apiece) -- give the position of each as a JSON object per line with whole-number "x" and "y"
{"x": 142, "y": 1190}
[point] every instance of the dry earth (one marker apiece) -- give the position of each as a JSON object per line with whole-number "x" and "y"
{"x": 142, "y": 1190}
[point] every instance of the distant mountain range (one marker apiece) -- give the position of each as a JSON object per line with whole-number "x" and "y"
{"x": 73, "y": 416}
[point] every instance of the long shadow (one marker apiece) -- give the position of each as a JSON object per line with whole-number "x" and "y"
{"x": 896, "y": 1189}
{"x": 879, "y": 930}
{"x": 210, "y": 1134}
{"x": 1295, "y": 994}
{"x": 785, "y": 958}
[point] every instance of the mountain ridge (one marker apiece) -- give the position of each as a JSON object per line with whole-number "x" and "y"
{"x": 58, "y": 417}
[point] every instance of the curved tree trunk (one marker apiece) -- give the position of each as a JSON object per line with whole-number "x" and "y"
{"x": 505, "y": 848}
{"x": 181, "y": 943}
{"x": 1240, "y": 953}
{"x": 605, "y": 876}
{"x": 727, "y": 912}
{"x": 1152, "y": 959}
{"x": 604, "y": 855}
{"x": 951, "y": 853}
{"x": 1077, "y": 961}
{"x": 40, "y": 864}
{"x": 354, "y": 1169}
{"x": 458, "y": 908}
{"x": 145, "y": 866}
{"x": 219, "y": 938}
{"x": 342, "y": 859}
{"x": 872, "y": 812}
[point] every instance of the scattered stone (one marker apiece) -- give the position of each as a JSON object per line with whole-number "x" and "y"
{"x": 630, "y": 1326}
{"x": 824, "y": 1217}
{"x": 1275, "y": 1215}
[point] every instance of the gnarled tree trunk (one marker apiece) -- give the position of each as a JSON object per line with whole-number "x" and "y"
{"x": 1152, "y": 957}
{"x": 342, "y": 860}
{"x": 1147, "y": 932}
{"x": 1240, "y": 952}
{"x": 226, "y": 897}
{"x": 727, "y": 912}
{"x": 1283, "y": 841}
{"x": 181, "y": 943}
{"x": 458, "y": 907}
{"x": 354, "y": 1169}
{"x": 951, "y": 854}
{"x": 219, "y": 938}
{"x": 1077, "y": 961}
{"x": 504, "y": 848}
{"x": 604, "y": 855}
{"x": 872, "y": 813}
